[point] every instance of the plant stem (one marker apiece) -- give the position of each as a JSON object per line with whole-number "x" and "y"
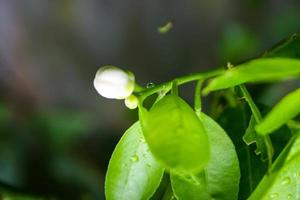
{"x": 138, "y": 88}
{"x": 258, "y": 118}
{"x": 197, "y": 98}
{"x": 255, "y": 111}
{"x": 181, "y": 80}
{"x": 175, "y": 87}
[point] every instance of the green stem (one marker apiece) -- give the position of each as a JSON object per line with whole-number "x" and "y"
{"x": 255, "y": 111}
{"x": 143, "y": 94}
{"x": 175, "y": 87}
{"x": 138, "y": 88}
{"x": 197, "y": 98}
{"x": 258, "y": 118}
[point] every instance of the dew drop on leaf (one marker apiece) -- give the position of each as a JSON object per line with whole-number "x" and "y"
{"x": 274, "y": 195}
{"x": 287, "y": 180}
{"x": 134, "y": 158}
{"x": 150, "y": 85}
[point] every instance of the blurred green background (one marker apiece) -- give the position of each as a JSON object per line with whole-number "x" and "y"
{"x": 56, "y": 132}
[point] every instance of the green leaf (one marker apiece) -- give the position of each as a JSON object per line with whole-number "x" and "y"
{"x": 286, "y": 109}
{"x": 252, "y": 137}
{"x": 220, "y": 179}
{"x": 289, "y": 47}
{"x": 235, "y": 122}
{"x": 284, "y": 180}
{"x": 133, "y": 173}
{"x": 259, "y": 70}
{"x": 175, "y": 135}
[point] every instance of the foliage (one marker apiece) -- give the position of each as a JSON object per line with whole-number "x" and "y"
{"x": 201, "y": 159}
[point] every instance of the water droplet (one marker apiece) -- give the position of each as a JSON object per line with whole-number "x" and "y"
{"x": 134, "y": 158}
{"x": 150, "y": 85}
{"x": 287, "y": 180}
{"x": 290, "y": 196}
{"x": 274, "y": 195}
{"x": 142, "y": 140}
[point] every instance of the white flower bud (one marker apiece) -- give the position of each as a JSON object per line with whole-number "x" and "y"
{"x": 114, "y": 83}
{"x": 131, "y": 102}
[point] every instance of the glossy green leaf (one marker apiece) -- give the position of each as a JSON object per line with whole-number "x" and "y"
{"x": 259, "y": 70}
{"x": 286, "y": 109}
{"x": 175, "y": 135}
{"x": 133, "y": 173}
{"x": 283, "y": 182}
{"x": 220, "y": 179}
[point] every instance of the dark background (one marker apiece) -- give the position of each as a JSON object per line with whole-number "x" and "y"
{"x": 56, "y": 132}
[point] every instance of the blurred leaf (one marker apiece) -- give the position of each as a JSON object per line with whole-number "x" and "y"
{"x": 17, "y": 197}
{"x": 171, "y": 128}
{"x": 5, "y": 195}
{"x": 166, "y": 28}
{"x": 133, "y": 173}
{"x": 4, "y": 114}
{"x": 259, "y": 70}
{"x": 237, "y": 43}
{"x": 62, "y": 127}
{"x": 286, "y": 109}
{"x": 212, "y": 183}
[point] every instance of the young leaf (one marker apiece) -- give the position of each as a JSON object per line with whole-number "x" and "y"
{"x": 220, "y": 179}
{"x": 252, "y": 137}
{"x": 259, "y": 70}
{"x": 283, "y": 181}
{"x": 133, "y": 173}
{"x": 286, "y": 109}
{"x": 175, "y": 134}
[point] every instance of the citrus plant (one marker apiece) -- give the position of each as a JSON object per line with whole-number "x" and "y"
{"x": 176, "y": 151}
